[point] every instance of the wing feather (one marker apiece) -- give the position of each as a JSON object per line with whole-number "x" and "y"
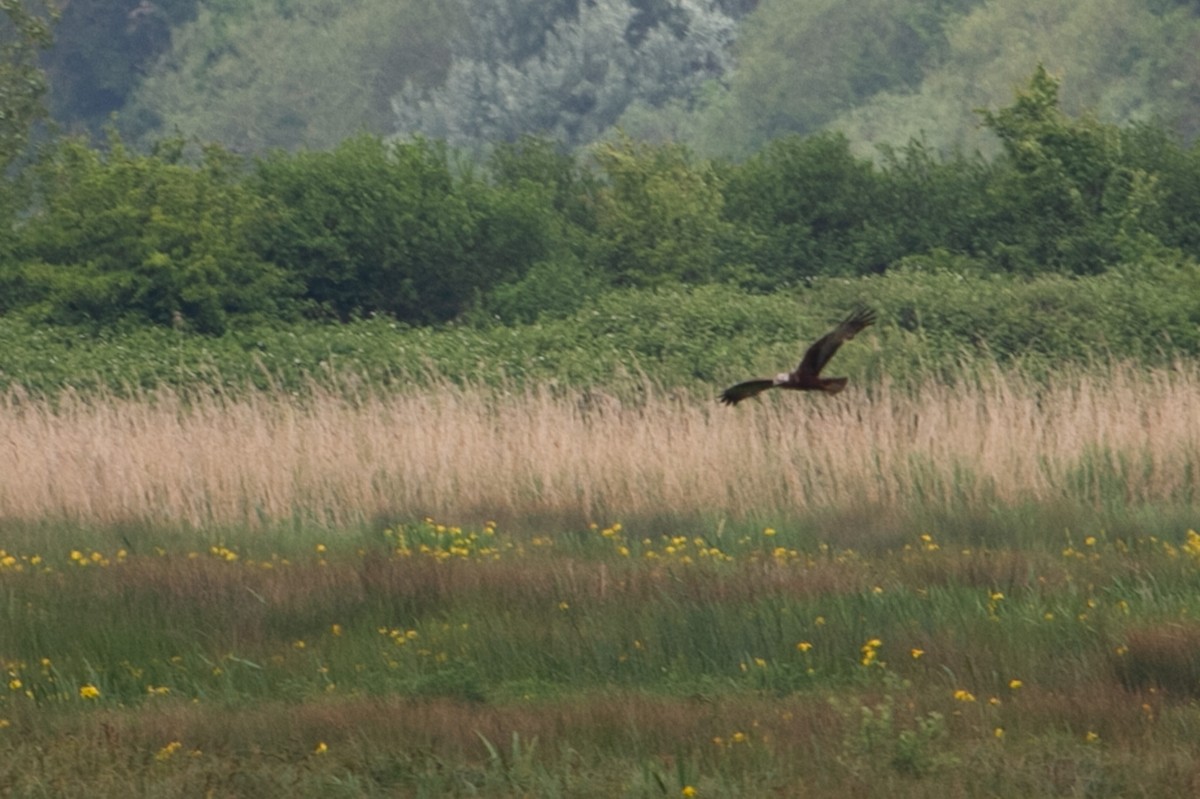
{"x": 735, "y": 394}
{"x": 824, "y": 348}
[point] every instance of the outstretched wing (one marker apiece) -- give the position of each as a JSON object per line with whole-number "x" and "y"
{"x": 735, "y": 394}
{"x": 820, "y": 352}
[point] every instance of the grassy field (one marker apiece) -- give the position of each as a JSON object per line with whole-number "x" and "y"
{"x": 991, "y": 589}
{"x": 330, "y": 461}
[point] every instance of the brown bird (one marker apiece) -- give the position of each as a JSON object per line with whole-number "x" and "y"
{"x": 807, "y": 374}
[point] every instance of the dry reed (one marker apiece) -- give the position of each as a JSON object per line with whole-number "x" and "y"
{"x": 260, "y": 459}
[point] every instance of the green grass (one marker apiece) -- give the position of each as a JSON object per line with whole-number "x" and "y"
{"x": 985, "y": 587}
{"x": 432, "y": 660}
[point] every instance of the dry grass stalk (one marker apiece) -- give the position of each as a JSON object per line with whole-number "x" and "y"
{"x": 259, "y": 459}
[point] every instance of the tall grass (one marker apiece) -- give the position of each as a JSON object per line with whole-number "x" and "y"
{"x": 439, "y": 660}
{"x": 331, "y": 459}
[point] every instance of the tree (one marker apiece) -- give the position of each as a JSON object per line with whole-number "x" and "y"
{"x": 117, "y": 236}
{"x": 800, "y": 65}
{"x": 392, "y": 228}
{"x": 261, "y": 74}
{"x": 807, "y": 206}
{"x": 24, "y": 31}
{"x": 659, "y": 217}
{"x": 102, "y": 50}
{"x": 1069, "y": 199}
{"x": 590, "y": 69}
{"x": 1120, "y": 61}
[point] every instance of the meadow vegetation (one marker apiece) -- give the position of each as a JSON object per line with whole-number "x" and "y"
{"x": 1121, "y": 440}
{"x": 986, "y": 588}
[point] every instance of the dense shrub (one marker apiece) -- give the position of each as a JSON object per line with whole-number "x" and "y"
{"x": 115, "y": 235}
{"x": 808, "y": 207}
{"x": 935, "y": 320}
{"x": 659, "y": 216}
{"x": 1068, "y": 199}
{"x": 373, "y": 227}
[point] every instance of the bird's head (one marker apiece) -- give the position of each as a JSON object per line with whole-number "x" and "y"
{"x": 782, "y": 378}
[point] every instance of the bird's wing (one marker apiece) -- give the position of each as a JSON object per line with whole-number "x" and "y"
{"x": 820, "y": 352}
{"x": 735, "y": 394}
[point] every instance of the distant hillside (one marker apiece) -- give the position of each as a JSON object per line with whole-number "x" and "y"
{"x": 724, "y": 76}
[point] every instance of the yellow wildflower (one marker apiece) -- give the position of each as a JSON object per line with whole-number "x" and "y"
{"x": 89, "y": 691}
{"x": 870, "y": 651}
{"x": 167, "y": 751}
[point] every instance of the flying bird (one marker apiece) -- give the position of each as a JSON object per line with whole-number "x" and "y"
{"x": 807, "y": 377}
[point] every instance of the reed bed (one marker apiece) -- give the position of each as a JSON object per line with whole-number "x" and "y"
{"x": 334, "y": 459}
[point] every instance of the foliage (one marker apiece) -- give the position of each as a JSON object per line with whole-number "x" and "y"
{"x": 811, "y": 206}
{"x": 1068, "y": 202}
{"x": 385, "y": 228}
{"x": 415, "y": 231}
{"x": 937, "y": 319}
{"x": 593, "y": 65}
{"x": 1121, "y": 62}
{"x": 1172, "y": 173}
{"x": 659, "y": 219}
{"x": 308, "y": 73}
{"x": 118, "y": 236}
{"x": 801, "y": 64}
{"x": 24, "y": 31}
{"x": 102, "y": 51}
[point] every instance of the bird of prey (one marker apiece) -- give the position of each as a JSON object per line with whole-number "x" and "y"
{"x": 807, "y": 377}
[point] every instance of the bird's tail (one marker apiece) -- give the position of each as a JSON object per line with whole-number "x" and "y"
{"x": 832, "y": 385}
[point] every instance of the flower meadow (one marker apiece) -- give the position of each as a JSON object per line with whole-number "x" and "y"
{"x": 431, "y": 658}
{"x": 577, "y": 595}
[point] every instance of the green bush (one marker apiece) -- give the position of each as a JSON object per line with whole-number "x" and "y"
{"x": 659, "y": 216}
{"x": 806, "y": 207}
{"x": 937, "y": 319}
{"x": 373, "y": 227}
{"x": 118, "y": 236}
{"x": 411, "y": 232}
{"x": 1068, "y": 200}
